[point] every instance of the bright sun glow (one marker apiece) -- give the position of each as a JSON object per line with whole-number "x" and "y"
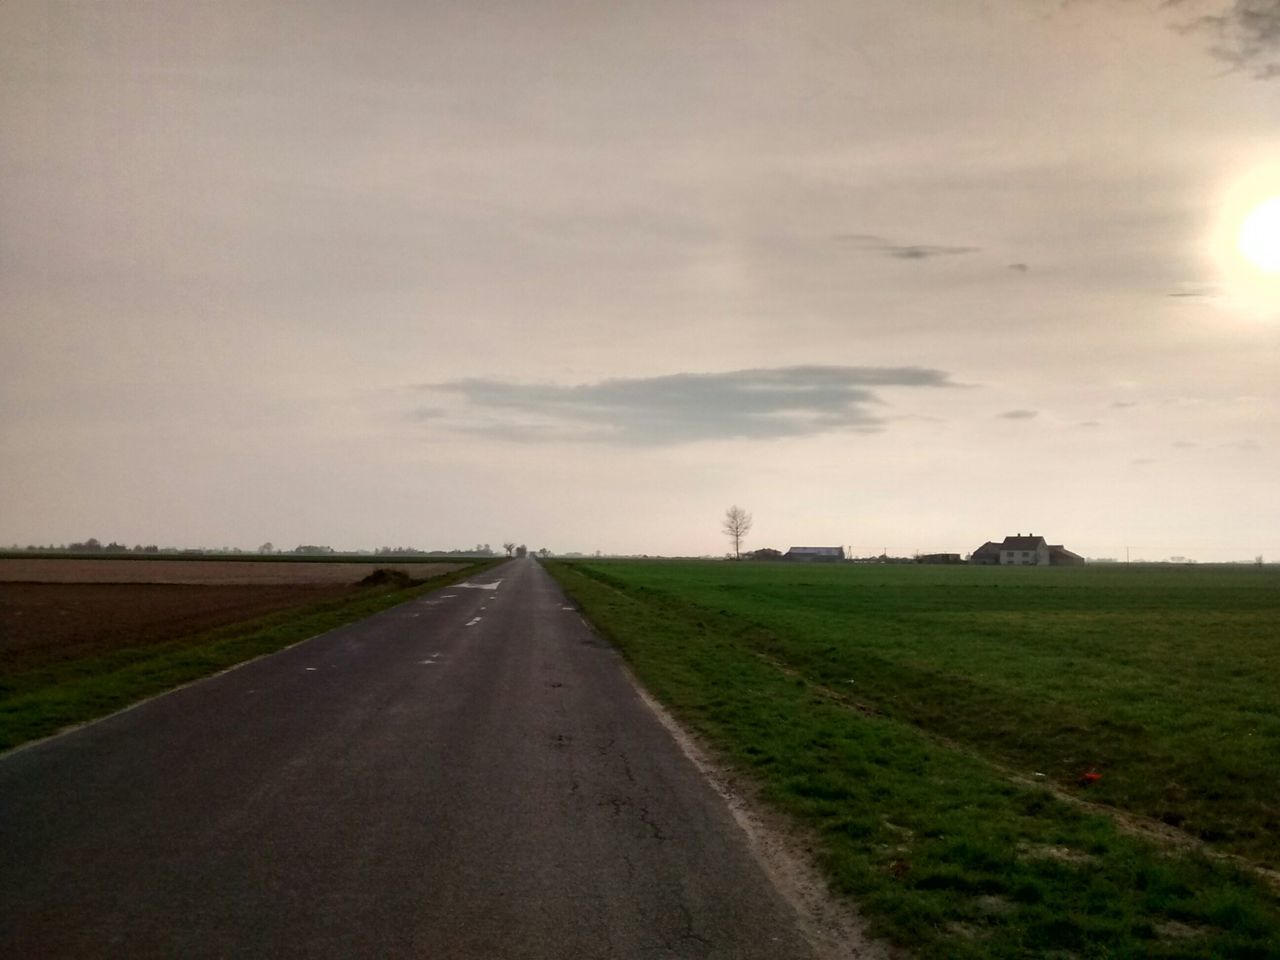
{"x": 1259, "y": 238}
{"x": 1245, "y": 245}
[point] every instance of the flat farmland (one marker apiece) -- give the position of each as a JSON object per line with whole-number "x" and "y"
{"x": 81, "y": 637}
{"x": 42, "y": 623}
{"x": 993, "y": 762}
{"x": 208, "y": 572}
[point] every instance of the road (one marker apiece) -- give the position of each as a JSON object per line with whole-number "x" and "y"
{"x": 468, "y": 775}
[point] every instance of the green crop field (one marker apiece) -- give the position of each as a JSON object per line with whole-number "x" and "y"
{"x": 994, "y": 762}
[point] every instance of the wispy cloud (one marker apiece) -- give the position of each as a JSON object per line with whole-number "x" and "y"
{"x": 1194, "y": 290}
{"x": 902, "y": 251}
{"x": 1018, "y": 415}
{"x": 679, "y": 408}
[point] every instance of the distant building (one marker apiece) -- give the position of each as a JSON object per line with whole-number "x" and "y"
{"x": 987, "y": 555}
{"x": 1028, "y": 551}
{"x": 1060, "y": 556}
{"x": 939, "y": 558}
{"x": 1025, "y": 551}
{"x": 815, "y": 554}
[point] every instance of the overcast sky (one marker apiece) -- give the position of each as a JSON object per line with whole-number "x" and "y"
{"x": 893, "y": 274}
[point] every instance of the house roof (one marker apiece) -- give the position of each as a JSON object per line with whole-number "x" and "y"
{"x": 1058, "y": 550}
{"x": 988, "y": 547}
{"x": 1023, "y": 543}
{"x": 819, "y": 551}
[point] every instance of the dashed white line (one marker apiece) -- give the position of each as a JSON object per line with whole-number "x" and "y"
{"x": 473, "y": 622}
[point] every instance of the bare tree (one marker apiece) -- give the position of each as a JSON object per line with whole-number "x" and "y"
{"x": 510, "y": 547}
{"x": 737, "y": 524}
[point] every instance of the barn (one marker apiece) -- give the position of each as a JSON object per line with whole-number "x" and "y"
{"x": 815, "y": 554}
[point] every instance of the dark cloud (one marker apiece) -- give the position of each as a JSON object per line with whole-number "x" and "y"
{"x": 1243, "y": 33}
{"x": 1019, "y": 267}
{"x": 683, "y": 407}
{"x": 903, "y": 251}
{"x": 1018, "y": 415}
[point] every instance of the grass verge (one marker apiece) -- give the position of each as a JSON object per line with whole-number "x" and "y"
{"x": 41, "y": 702}
{"x": 942, "y": 851}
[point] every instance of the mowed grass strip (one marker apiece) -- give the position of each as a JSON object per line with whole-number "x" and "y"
{"x": 944, "y": 851}
{"x": 41, "y": 701}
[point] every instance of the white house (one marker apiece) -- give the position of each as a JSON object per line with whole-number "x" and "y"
{"x": 1028, "y": 551}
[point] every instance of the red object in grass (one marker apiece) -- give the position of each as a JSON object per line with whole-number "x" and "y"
{"x": 1093, "y": 776}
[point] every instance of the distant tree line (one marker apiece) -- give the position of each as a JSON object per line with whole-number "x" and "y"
{"x": 93, "y": 545}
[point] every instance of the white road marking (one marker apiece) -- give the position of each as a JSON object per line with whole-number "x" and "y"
{"x": 468, "y": 585}
{"x": 448, "y": 596}
{"x": 427, "y": 663}
{"x": 312, "y": 668}
{"x": 472, "y": 623}
{"x": 566, "y": 608}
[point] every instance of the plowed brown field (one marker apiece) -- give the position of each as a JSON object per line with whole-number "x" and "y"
{"x": 60, "y": 570}
{"x": 41, "y": 623}
{"x": 57, "y": 609}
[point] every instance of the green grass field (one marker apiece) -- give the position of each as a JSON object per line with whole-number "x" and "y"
{"x": 932, "y": 728}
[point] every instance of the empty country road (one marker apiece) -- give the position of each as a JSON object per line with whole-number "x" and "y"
{"x": 468, "y": 775}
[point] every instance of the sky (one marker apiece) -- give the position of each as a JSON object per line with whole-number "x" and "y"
{"x": 900, "y": 275}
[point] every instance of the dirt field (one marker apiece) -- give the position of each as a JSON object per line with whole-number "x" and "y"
{"x": 57, "y": 609}
{"x": 41, "y": 623}
{"x": 222, "y": 572}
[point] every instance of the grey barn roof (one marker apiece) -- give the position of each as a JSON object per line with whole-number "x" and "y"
{"x": 819, "y": 551}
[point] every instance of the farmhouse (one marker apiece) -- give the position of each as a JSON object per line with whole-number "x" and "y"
{"x": 1025, "y": 551}
{"x": 815, "y": 554}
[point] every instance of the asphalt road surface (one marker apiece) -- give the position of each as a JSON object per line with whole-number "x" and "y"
{"x": 467, "y": 775}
